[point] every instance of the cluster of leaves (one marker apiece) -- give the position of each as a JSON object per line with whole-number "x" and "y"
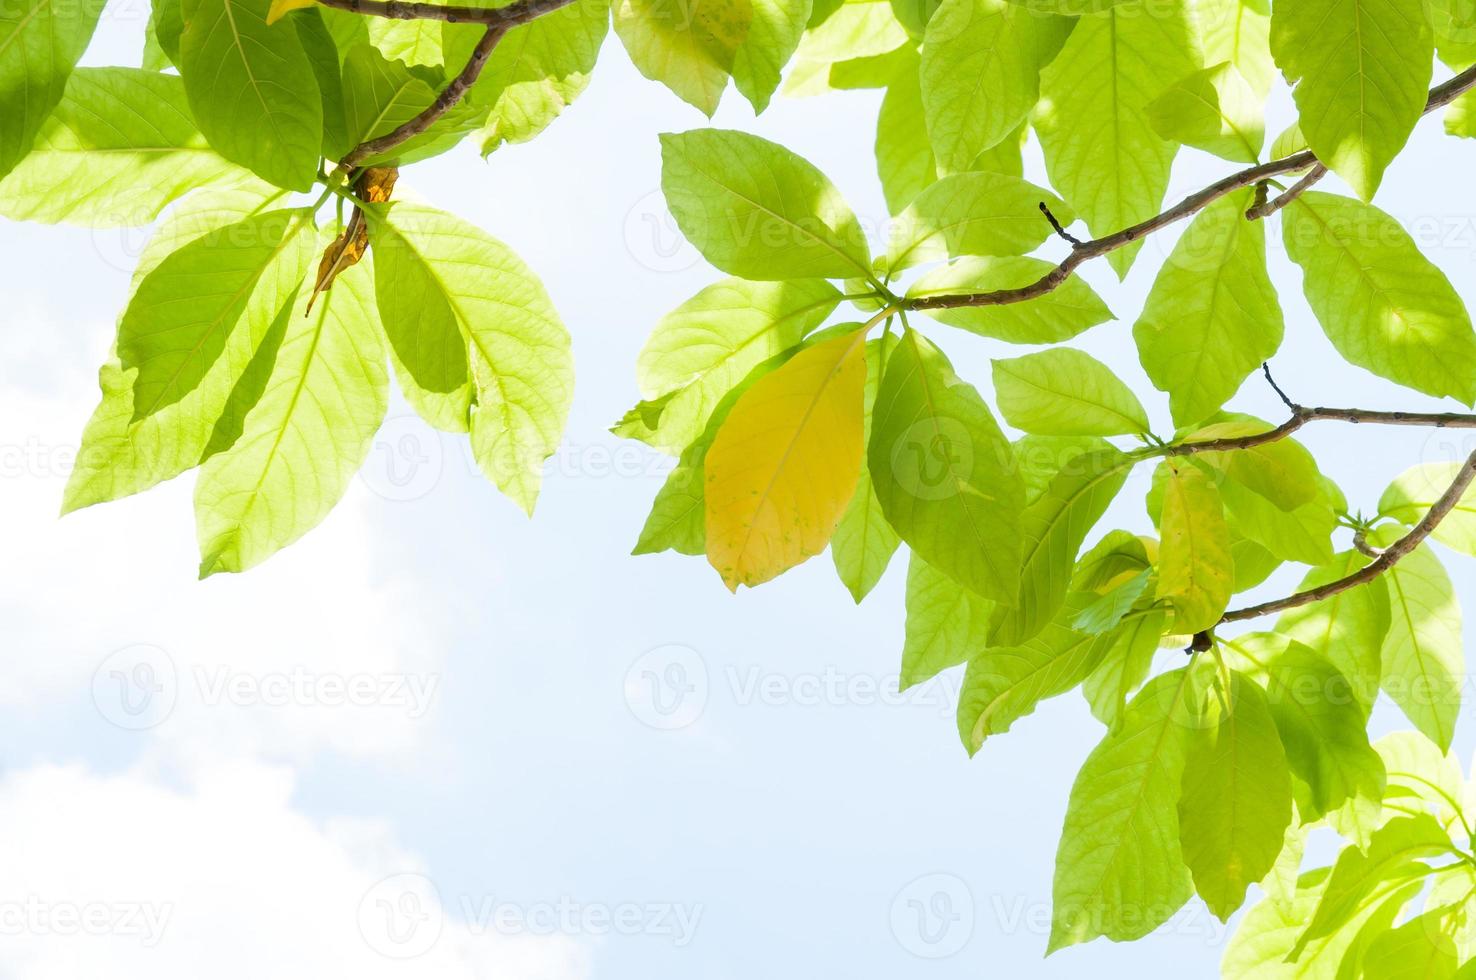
{"x": 794, "y": 433}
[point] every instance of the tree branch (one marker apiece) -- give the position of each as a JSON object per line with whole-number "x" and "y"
{"x": 1301, "y": 415}
{"x": 499, "y": 21}
{"x": 508, "y": 17}
{"x": 1385, "y": 560}
{"x": 1267, "y": 208}
{"x": 1440, "y": 95}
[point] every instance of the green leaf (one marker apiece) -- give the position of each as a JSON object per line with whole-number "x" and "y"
{"x": 756, "y": 210}
{"x": 1124, "y": 667}
{"x": 1347, "y": 628}
{"x": 1195, "y": 573}
{"x": 1237, "y": 800}
{"x": 1040, "y": 459}
{"x": 853, "y": 34}
{"x": 864, "y": 542}
{"x": 181, "y": 320}
{"x": 1107, "y": 611}
{"x": 1321, "y": 723}
{"x": 1005, "y": 683}
{"x": 1119, "y": 867}
{"x": 252, "y": 90}
{"x": 448, "y": 290}
{"x": 1417, "y": 769}
{"x": 946, "y": 624}
{"x": 380, "y": 95}
{"x": 1057, "y": 315}
{"x": 1460, "y": 118}
{"x": 1423, "y": 658}
{"x": 1253, "y": 563}
{"x": 1054, "y": 527}
{"x": 1212, "y": 316}
{"x": 1215, "y": 110}
{"x": 943, "y": 471}
{"x": 95, "y": 166}
{"x": 1383, "y": 305}
{"x": 1262, "y": 944}
{"x": 1092, "y": 119}
{"x": 130, "y": 445}
{"x": 904, "y": 160}
{"x": 773, "y": 35}
{"x": 1066, "y": 392}
{"x": 1238, "y": 32}
{"x": 538, "y": 70}
{"x": 981, "y": 62}
{"x": 690, "y": 47}
{"x": 410, "y": 42}
{"x": 1283, "y": 471}
{"x": 1417, "y": 950}
{"x": 700, "y": 350}
{"x": 323, "y": 55}
{"x": 1411, "y": 496}
{"x": 1302, "y": 535}
{"x": 976, "y": 213}
{"x": 40, "y": 42}
{"x": 1362, "y": 69}
{"x": 1392, "y": 855}
{"x": 324, "y": 396}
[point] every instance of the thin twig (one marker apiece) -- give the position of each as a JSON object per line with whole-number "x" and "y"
{"x": 1045, "y": 210}
{"x": 1301, "y": 415}
{"x": 1264, "y": 209}
{"x": 1440, "y": 95}
{"x": 1386, "y": 559}
{"x": 1291, "y": 406}
{"x": 507, "y": 17}
{"x": 499, "y": 21}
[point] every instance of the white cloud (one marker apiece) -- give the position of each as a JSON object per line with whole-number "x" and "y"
{"x": 124, "y": 877}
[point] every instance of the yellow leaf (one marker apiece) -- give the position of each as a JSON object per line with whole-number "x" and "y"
{"x": 1195, "y": 569}
{"x": 281, "y": 8}
{"x": 784, "y": 464}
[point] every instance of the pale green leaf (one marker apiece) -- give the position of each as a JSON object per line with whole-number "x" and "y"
{"x": 1066, "y": 392}
{"x": 946, "y": 624}
{"x": 756, "y": 210}
{"x": 1195, "y": 574}
{"x": 1417, "y": 950}
{"x": 40, "y": 42}
{"x": 324, "y": 396}
{"x": 1238, "y": 32}
{"x": 1283, "y": 471}
{"x": 904, "y": 160}
{"x": 688, "y": 46}
{"x": 1054, "y": 528}
{"x": 1347, "y": 628}
{"x": 94, "y": 165}
{"x": 1302, "y": 535}
{"x": 864, "y": 542}
{"x": 976, "y": 213}
{"x": 700, "y": 350}
{"x": 1100, "y": 148}
{"x": 1415, "y": 491}
{"x": 1423, "y": 657}
{"x": 981, "y": 62}
{"x": 253, "y": 90}
{"x": 410, "y": 42}
{"x": 1058, "y": 315}
{"x": 773, "y": 35}
{"x": 450, "y": 294}
{"x": 1215, "y": 110}
{"x": 1005, "y": 683}
{"x": 1125, "y": 666}
{"x": 380, "y": 95}
{"x": 1109, "y": 609}
{"x": 1237, "y": 800}
{"x": 1393, "y": 854}
{"x": 1119, "y": 868}
{"x": 1417, "y": 769}
{"x": 1384, "y": 306}
{"x": 1362, "y": 69}
{"x": 1212, "y": 316}
{"x": 943, "y": 471}
{"x": 214, "y": 292}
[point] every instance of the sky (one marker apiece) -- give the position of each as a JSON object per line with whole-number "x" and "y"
{"x": 438, "y": 739}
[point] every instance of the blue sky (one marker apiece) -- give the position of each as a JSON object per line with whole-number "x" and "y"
{"x": 433, "y": 701}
